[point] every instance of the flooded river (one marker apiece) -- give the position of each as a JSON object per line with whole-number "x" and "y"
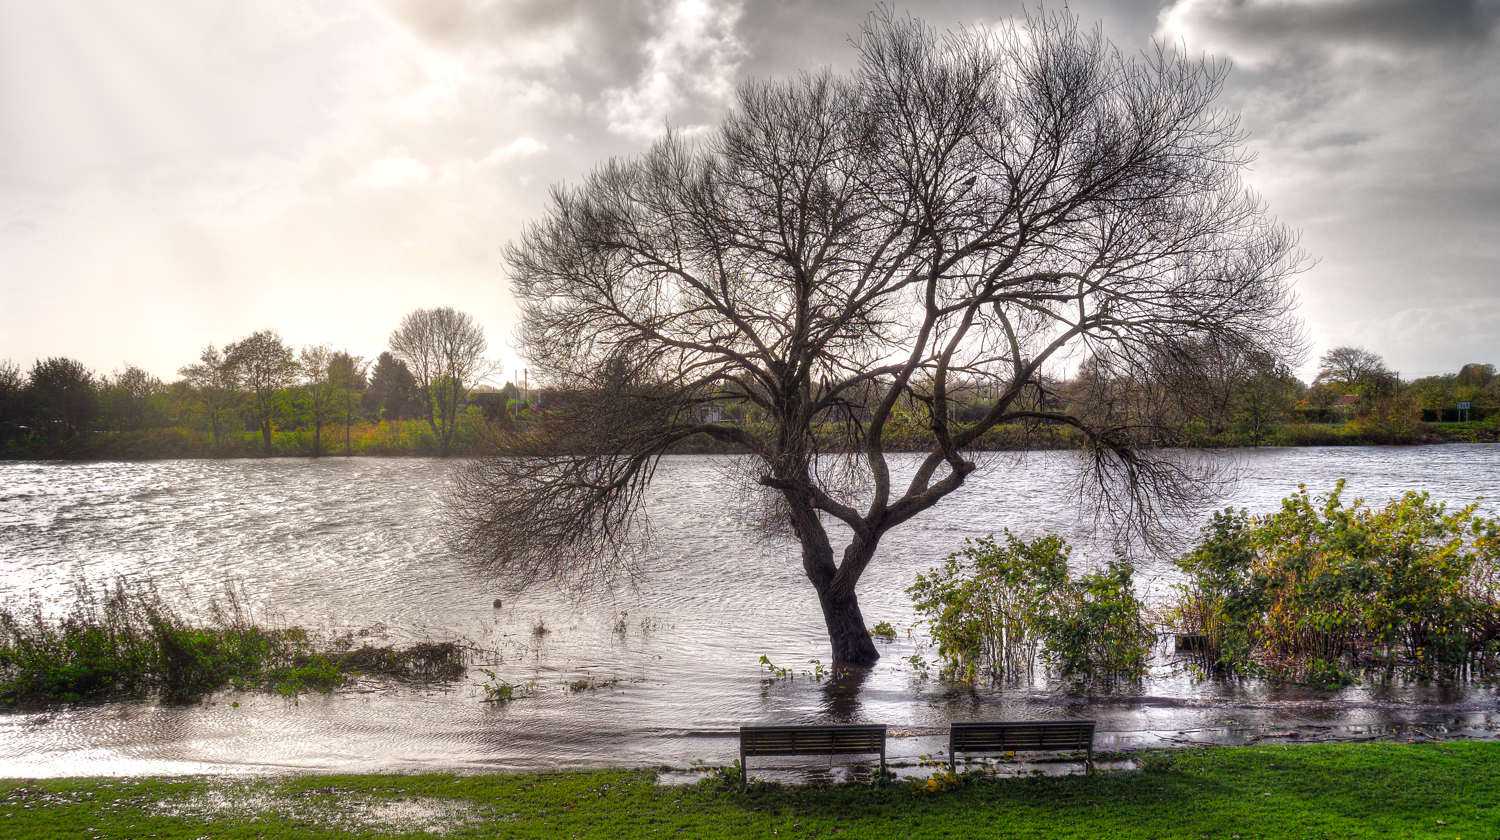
{"x": 355, "y": 544}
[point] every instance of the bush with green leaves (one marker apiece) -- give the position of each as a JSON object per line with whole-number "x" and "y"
{"x": 1319, "y": 588}
{"x": 994, "y": 609}
{"x": 1099, "y": 634}
{"x": 124, "y": 640}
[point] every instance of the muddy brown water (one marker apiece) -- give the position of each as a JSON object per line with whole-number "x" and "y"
{"x": 342, "y": 544}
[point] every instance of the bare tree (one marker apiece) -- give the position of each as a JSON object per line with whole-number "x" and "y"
{"x": 265, "y": 366}
{"x": 444, "y": 349}
{"x": 972, "y": 205}
{"x": 216, "y": 385}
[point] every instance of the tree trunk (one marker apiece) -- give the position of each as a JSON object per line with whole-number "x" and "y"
{"x": 447, "y": 416}
{"x": 847, "y": 633}
{"x": 431, "y": 418}
{"x": 317, "y": 438}
{"x": 265, "y": 434}
{"x": 348, "y": 421}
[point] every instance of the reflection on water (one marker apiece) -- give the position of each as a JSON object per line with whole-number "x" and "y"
{"x": 353, "y": 543}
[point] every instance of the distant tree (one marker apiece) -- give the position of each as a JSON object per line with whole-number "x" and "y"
{"x": 444, "y": 349}
{"x": 1476, "y": 374}
{"x": 180, "y": 407}
{"x": 1356, "y": 369}
{"x": 510, "y": 398}
{"x": 1321, "y": 397}
{"x": 62, "y": 396}
{"x": 1227, "y": 387}
{"x": 1390, "y": 416}
{"x": 130, "y": 399}
{"x": 1487, "y": 400}
{"x": 392, "y": 394}
{"x": 265, "y": 366}
{"x": 322, "y": 395}
{"x": 12, "y": 398}
{"x": 1264, "y": 398}
{"x": 346, "y": 374}
{"x": 215, "y": 382}
{"x": 977, "y": 206}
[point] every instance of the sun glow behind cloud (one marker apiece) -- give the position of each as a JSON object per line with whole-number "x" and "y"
{"x": 188, "y": 172}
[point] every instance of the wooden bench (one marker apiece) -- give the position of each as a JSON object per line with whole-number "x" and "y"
{"x": 835, "y": 739}
{"x": 1022, "y": 736}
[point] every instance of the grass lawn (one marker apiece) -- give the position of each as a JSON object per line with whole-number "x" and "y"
{"x": 1350, "y": 790}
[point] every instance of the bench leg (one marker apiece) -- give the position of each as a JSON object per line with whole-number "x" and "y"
{"x": 1088, "y": 761}
{"x": 744, "y": 771}
{"x": 882, "y": 764}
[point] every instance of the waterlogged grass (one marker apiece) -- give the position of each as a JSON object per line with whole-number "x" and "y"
{"x": 1349, "y": 790}
{"x": 126, "y": 641}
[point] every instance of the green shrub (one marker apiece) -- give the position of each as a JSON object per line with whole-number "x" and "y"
{"x": 1098, "y": 634}
{"x": 993, "y": 608}
{"x": 1320, "y": 587}
{"x": 124, "y": 640}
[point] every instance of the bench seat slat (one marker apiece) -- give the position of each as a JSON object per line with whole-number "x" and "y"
{"x": 1020, "y": 736}
{"x": 840, "y": 739}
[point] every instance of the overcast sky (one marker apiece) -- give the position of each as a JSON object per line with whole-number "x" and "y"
{"x": 178, "y": 174}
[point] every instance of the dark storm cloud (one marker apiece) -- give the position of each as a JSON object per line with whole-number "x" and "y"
{"x": 1331, "y": 25}
{"x": 1377, "y": 126}
{"x": 576, "y": 48}
{"x": 638, "y": 63}
{"x": 812, "y": 33}
{"x": 606, "y": 36}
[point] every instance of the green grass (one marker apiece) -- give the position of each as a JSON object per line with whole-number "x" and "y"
{"x": 1350, "y": 790}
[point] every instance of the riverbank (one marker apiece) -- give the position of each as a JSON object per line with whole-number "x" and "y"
{"x": 413, "y": 438}
{"x": 1444, "y": 789}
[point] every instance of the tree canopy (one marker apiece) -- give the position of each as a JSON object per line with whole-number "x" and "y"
{"x": 975, "y": 207}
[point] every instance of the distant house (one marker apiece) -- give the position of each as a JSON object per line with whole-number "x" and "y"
{"x": 1346, "y": 405}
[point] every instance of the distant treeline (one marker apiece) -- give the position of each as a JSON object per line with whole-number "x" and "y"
{"x": 1354, "y": 399}
{"x": 257, "y": 396}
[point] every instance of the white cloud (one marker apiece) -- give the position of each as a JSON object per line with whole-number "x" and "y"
{"x": 394, "y": 173}
{"x": 691, "y": 63}
{"x": 218, "y": 161}
{"x": 521, "y": 147}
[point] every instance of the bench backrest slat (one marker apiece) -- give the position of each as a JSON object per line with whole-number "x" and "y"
{"x": 1006, "y": 736}
{"x": 812, "y": 740}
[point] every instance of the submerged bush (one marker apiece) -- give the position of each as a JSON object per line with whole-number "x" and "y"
{"x": 1320, "y": 587}
{"x": 124, "y": 640}
{"x": 1099, "y": 633}
{"x": 994, "y": 608}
